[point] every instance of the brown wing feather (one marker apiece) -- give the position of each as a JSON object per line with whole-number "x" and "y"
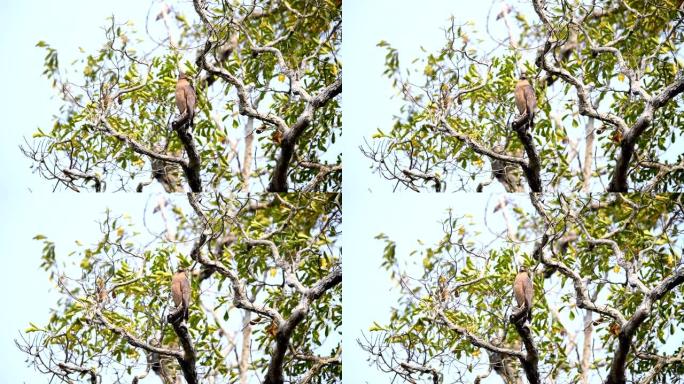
{"x": 519, "y": 289}
{"x": 181, "y": 102}
{"x": 520, "y": 96}
{"x": 176, "y": 291}
{"x": 529, "y": 292}
{"x": 185, "y": 288}
{"x": 190, "y": 97}
{"x": 523, "y": 290}
{"x": 530, "y": 99}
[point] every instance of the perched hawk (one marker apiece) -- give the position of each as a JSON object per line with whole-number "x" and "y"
{"x": 180, "y": 290}
{"x": 186, "y": 98}
{"x": 524, "y": 292}
{"x": 525, "y": 99}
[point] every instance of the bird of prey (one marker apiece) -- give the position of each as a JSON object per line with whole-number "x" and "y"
{"x": 525, "y": 99}
{"x": 524, "y": 292}
{"x": 180, "y": 290}
{"x": 186, "y": 98}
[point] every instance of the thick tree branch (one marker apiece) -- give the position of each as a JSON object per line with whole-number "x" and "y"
{"x": 278, "y": 181}
{"x": 618, "y": 182}
{"x": 137, "y": 147}
{"x": 188, "y": 360}
{"x": 531, "y": 168}
{"x": 661, "y": 362}
{"x": 628, "y": 326}
{"x": 76, "y": 174}
{"x": 285, "y": 327}
{"x": 291, "y": 134}
{"x": 274, "y": 375}
{"x": 318, "y": 364}
{"x": 663, "y": 171}
{"x": 530, "y": 360}
{"x": 619, "y": 363}
{"x": 582, "y": 297}
{"x": 83, "y": 370}
{"x": 323, "y": 171}
{"x": 191, "y": 168}
{"x": 133, "y": 340}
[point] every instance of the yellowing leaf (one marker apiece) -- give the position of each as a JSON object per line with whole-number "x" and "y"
{"x": 375, "y": 327}
{"x": 429, "y": 71}
{"x": 669, "y": 260}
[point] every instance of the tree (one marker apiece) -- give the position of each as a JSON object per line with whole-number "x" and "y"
{"x": 268, "y": 71}
{"x": 607, "y": 77}
{"x": 265, "y": 304}
{"x": 608, "y": 274}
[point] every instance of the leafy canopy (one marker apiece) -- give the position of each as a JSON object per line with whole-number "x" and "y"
{"x": 260, "y": 265}
{"x": 267, "y": 76}
{"x": 607, "y": 76}
{"x": 608, "y": 270}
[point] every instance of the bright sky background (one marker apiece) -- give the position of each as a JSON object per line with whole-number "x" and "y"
{"x": 368, "y": 293}
{"x": 369, "y": 208}
{"x": 370, "y": 102}
{"x": 66, "y": 26}
{"x": 71, "y": 24}
{"x": 63, "y": 217}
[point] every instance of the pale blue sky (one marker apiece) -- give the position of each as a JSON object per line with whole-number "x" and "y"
{"x": 368, "y": 292}
{"x": 69, "y": 24}
{"x": 66, "y": 26}
{"x": 369, "y": 206}
{"x": 64, "y": 217}
{"x": 370, "y": 102}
